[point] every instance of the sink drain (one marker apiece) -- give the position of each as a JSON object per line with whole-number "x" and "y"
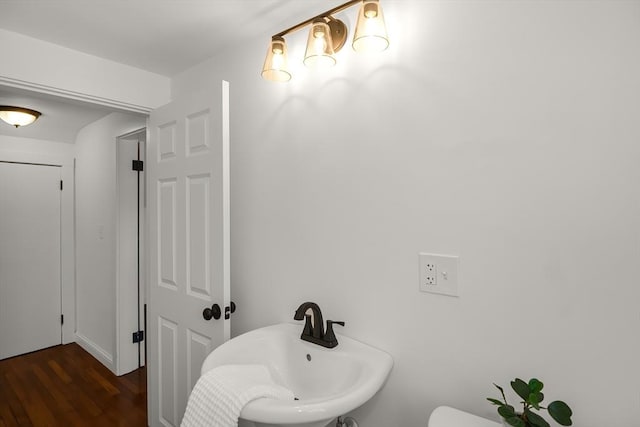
{"x": 309, "y": 357}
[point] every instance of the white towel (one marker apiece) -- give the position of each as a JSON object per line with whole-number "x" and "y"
{"x": 220, "y": 394}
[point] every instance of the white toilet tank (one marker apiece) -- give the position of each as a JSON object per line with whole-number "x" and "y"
{"x": 445, "y": 416}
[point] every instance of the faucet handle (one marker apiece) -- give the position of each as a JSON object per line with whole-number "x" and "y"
{"x": 330, "y": 336}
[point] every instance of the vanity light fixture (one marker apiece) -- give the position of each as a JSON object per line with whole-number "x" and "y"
{"x": 327, "y": 36}
{"x": 18, "y": 116}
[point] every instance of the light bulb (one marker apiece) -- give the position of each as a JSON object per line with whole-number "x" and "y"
{"x": 275, "y": 66}
{"x": 319, "y": 52}
{"x": 371, "y": 32}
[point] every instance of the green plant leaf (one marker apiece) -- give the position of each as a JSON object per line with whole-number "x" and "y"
{"x": 521, "y": 388}
{"x": 495, "y": 401}
{"x": 516, "y": 422}
{"x": 506, "y": 411}
{"x": 560, "y": 412}
{"x": 536, "y": 420}
{"x": 535, "y": 385}
{"x": 534, "y": 399}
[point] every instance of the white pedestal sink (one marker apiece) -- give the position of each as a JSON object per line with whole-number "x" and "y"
{"x": 328, "y": 382}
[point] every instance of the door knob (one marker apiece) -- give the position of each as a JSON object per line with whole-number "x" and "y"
{"x": 213, "y": 312}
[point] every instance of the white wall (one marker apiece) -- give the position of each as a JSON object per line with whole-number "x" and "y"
{"x": 28, "y": 150}
{"x": 57, "y": 70}
{"x": 503, "y": 132}
{"x": 96, "y": 205}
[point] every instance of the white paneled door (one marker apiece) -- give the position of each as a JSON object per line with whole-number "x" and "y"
{"x": 188, "y": 204}
{"x": 29, "y": 258}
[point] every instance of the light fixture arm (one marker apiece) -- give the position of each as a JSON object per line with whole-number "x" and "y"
{"x": 321, "y": 15}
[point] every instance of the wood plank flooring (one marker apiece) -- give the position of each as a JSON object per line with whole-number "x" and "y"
{"x": 66, "y": 386}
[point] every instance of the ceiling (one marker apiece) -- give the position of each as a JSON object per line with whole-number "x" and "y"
{"x": 61, "y": 119}
{"x": 160, "y": 36}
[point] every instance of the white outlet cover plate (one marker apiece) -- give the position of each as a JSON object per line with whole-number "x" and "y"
{"x": 446, "y": 274}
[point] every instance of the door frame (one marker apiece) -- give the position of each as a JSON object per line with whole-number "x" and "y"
{"x": 67, "y": 231}
{"x": 126, "y": 301}
{"x": 68, "y": 203}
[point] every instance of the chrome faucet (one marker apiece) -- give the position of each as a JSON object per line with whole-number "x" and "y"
{"x": 314, "y": 329}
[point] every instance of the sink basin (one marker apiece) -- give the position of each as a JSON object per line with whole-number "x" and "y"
{"x": 328, "y": 382}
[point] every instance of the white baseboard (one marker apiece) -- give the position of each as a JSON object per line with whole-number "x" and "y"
{"x": 96, "y": 351}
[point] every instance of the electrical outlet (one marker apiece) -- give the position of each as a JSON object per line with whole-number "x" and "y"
{"x": 438, "y": 274}
{"x": 430, "y": 274}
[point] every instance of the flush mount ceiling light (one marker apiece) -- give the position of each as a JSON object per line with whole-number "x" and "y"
{"x": 18, "y": 116}
{"x": 327, "y": 36}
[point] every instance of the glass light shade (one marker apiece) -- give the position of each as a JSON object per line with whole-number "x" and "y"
{"x": 275, "y": 66}
{"x": 319, "y": 53}
{"x": 17, "y": 116}
{"x": 371, "y": 32}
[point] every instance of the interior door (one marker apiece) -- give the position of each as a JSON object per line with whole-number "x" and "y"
{"x": 130, "y": 294}
{"x": 29, "y": 258}
{"x": 188, "y": 203}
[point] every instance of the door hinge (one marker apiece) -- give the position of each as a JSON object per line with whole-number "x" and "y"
{"x": 138, "y": 336}
{"x": 60, "y": 185}
{"x": 137, "y": 165}
{"x": 62, "y": 319}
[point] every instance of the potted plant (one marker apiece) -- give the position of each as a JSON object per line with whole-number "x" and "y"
{"x": 532, "y": 396}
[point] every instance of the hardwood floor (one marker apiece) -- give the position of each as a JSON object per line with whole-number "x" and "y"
{"x": 66, "y": 386}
